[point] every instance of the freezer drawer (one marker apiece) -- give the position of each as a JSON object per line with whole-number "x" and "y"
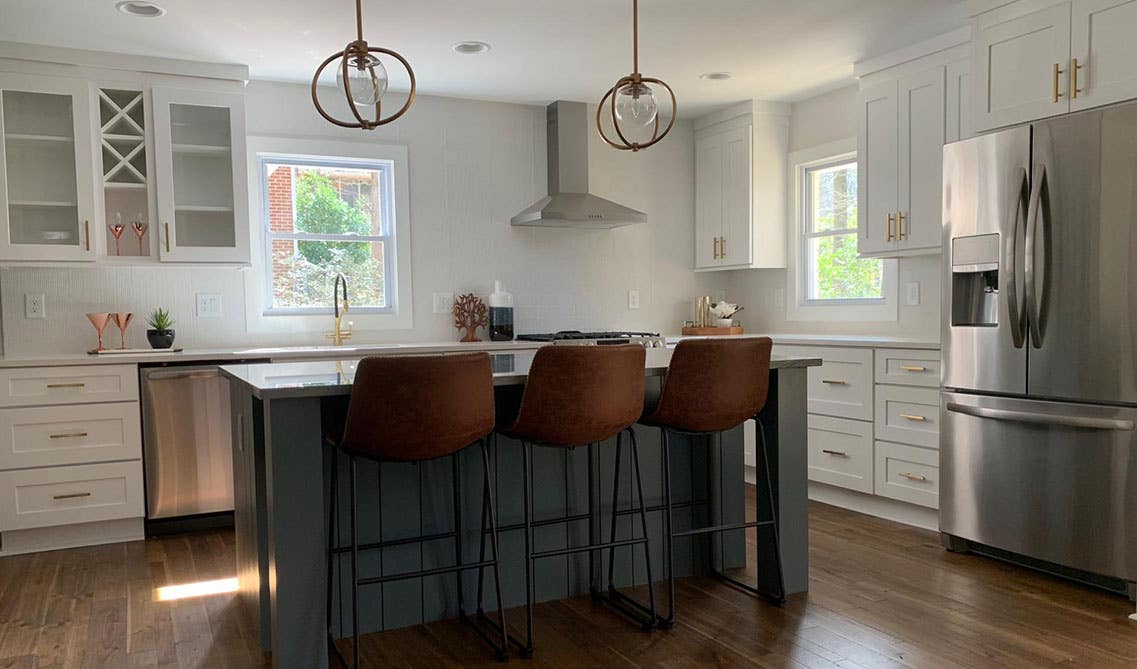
{"x": 1054, "y": 481}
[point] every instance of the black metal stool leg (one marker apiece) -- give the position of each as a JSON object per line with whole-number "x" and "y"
{"x": 643, "y": 526}
{"x": 354, "y": 573}
{"x": 457, "y": 494}
{"x": 503, "y": 651}
{"x": 669, "y": 528}
{"x": 780, "y": 596}
{"x": 615, "y": 517}
{"x": 530, "y": 595}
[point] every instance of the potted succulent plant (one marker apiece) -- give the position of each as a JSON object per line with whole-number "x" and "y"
{"x": 161, "y": 332}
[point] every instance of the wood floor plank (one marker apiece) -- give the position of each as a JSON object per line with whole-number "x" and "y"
{"x": 881, "y": 595}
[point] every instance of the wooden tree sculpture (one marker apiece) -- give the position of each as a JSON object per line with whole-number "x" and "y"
{"x": 469, "y": 314}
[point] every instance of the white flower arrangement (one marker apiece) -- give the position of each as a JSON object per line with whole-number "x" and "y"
{"x": 723, "y": 310}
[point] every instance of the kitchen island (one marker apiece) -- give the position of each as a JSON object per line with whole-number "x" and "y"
{"x": 281, "y": 412}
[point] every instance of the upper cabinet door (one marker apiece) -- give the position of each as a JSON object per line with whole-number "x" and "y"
{"x": 46, "y": 175}
{"x": 735, "y": 247}
{"x": 1022, "y": 68}
{"x": 877, "y": 165}
{"x": 1102, "y": 52}
{"x": 202, "y": 184}
{"x": 708, "y": 198}
{"x": 960, "y": 112}
{"x": 921, "y": 123}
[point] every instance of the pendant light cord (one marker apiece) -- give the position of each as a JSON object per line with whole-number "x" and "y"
{"x": 636, "y": 36}
{"x": 359, "y": 19}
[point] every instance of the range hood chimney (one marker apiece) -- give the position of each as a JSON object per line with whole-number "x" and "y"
{"x": 569, "y": 204}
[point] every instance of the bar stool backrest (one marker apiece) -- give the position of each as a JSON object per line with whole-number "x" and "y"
{"x": 413, "y": 408}
{"x": 714, "y": 384}
{"x": 577, "y": 395}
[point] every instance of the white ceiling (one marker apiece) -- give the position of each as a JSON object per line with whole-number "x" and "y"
{"x": 543, "y": 50}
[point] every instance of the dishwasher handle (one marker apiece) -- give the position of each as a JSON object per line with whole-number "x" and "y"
{"x": 184, "y": 374}
{"x": 1036, "y": 418}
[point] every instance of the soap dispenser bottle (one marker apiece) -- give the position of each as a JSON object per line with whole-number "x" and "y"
{"x": 501, "y": 314}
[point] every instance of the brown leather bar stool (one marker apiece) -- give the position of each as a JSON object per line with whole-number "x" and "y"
{"x": 713, "y": 385}
{"x": 415, "y": 409}
{"x": 581, "y": 396}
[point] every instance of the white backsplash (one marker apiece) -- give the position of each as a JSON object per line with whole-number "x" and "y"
{"x": 472, "y": 166}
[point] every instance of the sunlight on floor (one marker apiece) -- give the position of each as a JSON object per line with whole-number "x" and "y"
{"x": 199, "y": 589}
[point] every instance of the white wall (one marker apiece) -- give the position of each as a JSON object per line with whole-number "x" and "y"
{"x": 814, "y": 122}
{"x": 472, "y": 166}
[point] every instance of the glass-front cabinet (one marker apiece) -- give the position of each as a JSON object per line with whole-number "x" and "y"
{"x": 46, "y": 178}
{"x": 202, "y": 184}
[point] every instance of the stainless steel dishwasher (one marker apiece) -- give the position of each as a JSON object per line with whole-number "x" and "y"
{"x": 187, "y": 443}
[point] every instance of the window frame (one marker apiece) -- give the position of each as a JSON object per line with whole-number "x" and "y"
{"x": 801, "y": 307}
{"x": 398, "y": 315}
{"x": 386, "y": 169}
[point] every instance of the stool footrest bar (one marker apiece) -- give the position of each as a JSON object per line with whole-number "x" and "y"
{"x": 723, "y": 528}
{"x": 428, "y": 572}
{"x": 582, "y": 549}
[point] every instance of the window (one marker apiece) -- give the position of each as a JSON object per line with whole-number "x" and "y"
{"x": 827, "y": 281}
{"x": 322, "y": 217}
{"x": 833, "y": 272}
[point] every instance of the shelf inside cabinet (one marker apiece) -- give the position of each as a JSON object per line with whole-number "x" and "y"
{"x": 30, "y": 138}
{"x": 201, "y": 149}
{"x": 202, "y": 207}
{"x": 40, "y": 203}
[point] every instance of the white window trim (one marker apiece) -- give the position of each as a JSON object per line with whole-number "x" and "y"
{"x": 259, "y": 318}
{"x": 798, "y": 308}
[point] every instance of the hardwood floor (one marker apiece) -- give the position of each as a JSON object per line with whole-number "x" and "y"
{"x": 882, "y": 595}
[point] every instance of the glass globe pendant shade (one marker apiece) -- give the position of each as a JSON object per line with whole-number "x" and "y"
{"x": 635, "y": 106}
{"x": 367, "y": 76}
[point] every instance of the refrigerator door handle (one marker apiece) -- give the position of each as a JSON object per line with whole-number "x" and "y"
{"x": 1037, "y": 418}
{"x": 1032, "y": 298}
{"x": 1015, "y": 308}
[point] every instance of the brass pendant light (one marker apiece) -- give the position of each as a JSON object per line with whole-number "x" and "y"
{"x": 631, "y": 101}
{"x": 363, "y": 79}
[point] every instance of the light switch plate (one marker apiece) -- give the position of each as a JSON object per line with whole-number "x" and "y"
{"x": 633, "y": 299}
{"x": 443, "y": 303}
{"x": 208, "y": 305}
{"x": 912, "y": 294}
{"x": 34, "y": 306}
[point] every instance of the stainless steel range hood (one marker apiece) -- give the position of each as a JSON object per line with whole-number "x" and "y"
{"x": 569, "y": 204}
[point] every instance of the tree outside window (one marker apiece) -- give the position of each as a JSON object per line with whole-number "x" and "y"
{"x": 829, "y": 229}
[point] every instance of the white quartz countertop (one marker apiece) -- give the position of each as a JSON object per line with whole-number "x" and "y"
{"x": 334, "y": 377}
{"x": 263, "y": 353}
{"x": 861, "y": 341}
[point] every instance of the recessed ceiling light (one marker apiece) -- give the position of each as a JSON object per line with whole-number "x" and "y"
{"x": 715, "y": 76}
{"x": 140, "y": 8}
{"x": 471, "y": 47}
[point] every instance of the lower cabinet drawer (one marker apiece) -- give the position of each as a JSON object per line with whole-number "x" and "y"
{"x": 840, "y": 452}
{"x": 908, "y": 473}
{"x": 67, "y": 435}
{"x": 908, "y": 415}
{"x": 38, "y": 386}
{"x": 842, "y": 386}
{"x": 31, "y": 498}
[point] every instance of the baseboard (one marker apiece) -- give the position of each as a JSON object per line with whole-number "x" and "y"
{"x": 872, "y": 505}
{"x": 17, "y": 542}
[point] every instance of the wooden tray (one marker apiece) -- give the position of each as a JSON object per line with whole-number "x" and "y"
{"x": 711, "y": 331}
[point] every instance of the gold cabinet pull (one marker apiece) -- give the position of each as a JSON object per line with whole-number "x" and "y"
{"x": 1074, "y": 67}
{"x": 722, "y": 247}
{"x": 87, "y": 234}
{"x": 888, "y": 227}
{"x": 840, "y": 454}
{"x": 716, "y": 248}
{"x": 167, "y": 237}
{"x": 913, "y": 368}
{"x": 71, "y": 495}
{"x": 900, "y": 225}
{"x": 913, "y": 477}
{"x": 914, "y": 417}
{"x": 67, "y": 435}
{"x": 1057, "y": 71}
{"x": 67, "y": 385}
{"x": 835, "y": 382}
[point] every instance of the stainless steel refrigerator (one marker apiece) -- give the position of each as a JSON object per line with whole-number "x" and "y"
{"x": 1038, "y": 448}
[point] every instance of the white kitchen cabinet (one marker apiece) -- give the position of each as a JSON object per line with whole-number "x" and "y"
{"x": 842, "y": 386}
{"x": 907, "y": 473}
{"x": 199, "y": 139}
{"x": 740, "y": 177}
{"x": 841, "y": 452}
{"x": 46, "y": 170}
{"x": 1102, "y": 52}
{"x": 878, "y": 163}
{"x": 908, "y": 415}
{"x": 1020, "y": 62}
{"x": 960, "y": 111}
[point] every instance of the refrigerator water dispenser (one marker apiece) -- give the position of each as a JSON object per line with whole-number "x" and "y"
{"x": 975, "y": 281}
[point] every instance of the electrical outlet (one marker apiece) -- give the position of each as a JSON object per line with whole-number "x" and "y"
{"x": 208, "y": 305}
{"x": 912, "y": 294}
{"x": 34, "y": 306}
{"x": 633, "y": 299}
{"x": 443, "y": 303}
